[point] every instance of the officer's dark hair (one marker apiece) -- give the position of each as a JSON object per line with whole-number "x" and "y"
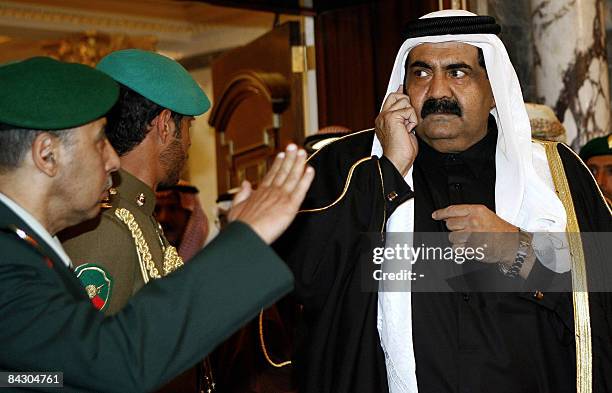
{"x": 16, "y": 142}
{"x": 129, "y": 120}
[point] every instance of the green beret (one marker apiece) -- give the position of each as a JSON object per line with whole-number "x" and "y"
{"x": 597, "y": 147}
{"x": 158, "y": 78}
{"x": 41, "y": 93}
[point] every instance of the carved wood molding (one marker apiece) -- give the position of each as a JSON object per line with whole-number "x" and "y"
{"x": 272, "y": 86}
{"x": 234, "y": 163}
{"x": 63, "y": 17}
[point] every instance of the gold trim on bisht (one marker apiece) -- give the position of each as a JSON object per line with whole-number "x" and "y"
{"x": 603, "y": 197}
{"x": 382, "y": 186}
{"x": 346, "y": 187}
{"x": 172, "y": 260}
{"x": 337, "y": 140}
{"x": 264, "y": 349}
{"x": 582, "y": 319}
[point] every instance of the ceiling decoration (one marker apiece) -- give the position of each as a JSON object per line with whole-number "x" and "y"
{"x": 88, "y": 48}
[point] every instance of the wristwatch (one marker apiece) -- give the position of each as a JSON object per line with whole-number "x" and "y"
{"x": 521, "y": 254}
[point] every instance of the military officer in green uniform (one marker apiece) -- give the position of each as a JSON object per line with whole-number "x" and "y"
{"x": 149, "y": 128}
{"x": 55, "y": 165}
{"x": 597, "y": 154}
{"x": 125, "y": 248}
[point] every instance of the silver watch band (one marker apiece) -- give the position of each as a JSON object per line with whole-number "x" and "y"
{"x": 521, "y": 254}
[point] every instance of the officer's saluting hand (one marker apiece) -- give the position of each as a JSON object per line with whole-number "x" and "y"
{"x": 272, "y": 207}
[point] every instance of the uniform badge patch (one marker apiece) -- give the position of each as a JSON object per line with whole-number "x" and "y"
{"x": 98, "y": 284}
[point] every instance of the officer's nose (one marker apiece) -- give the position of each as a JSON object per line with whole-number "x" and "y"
{"x": 112, "y": 159}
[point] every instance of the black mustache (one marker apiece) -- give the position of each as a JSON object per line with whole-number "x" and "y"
{"x": 443, "y": 105}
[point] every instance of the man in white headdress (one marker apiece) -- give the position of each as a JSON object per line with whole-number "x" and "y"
{"x": 452, "y": 153}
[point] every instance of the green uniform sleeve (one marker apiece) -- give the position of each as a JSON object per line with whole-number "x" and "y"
{"x": 110, "y": 246}
{"x": 168, "y": 326}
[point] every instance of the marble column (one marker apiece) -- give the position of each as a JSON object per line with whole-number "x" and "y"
{"x": 515, "y": 20}
{"x": 571, "y": 70}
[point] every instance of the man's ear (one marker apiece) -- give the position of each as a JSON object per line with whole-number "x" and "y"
{"x": 46, "y": 153}
{"x": 163, "y": 127}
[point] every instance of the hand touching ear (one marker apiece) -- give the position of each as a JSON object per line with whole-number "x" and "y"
{"x": 395, "y": 129}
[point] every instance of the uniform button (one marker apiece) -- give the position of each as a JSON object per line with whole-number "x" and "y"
{"x": 538, "y": 295}
{"x": 466, "y": 297}
{"x": 141, "y": 199}
{"x": 457, "y": 186}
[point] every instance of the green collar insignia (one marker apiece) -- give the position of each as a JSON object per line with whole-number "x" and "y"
{"x": 97, "y": 282}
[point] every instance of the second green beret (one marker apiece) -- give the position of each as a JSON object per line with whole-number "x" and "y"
{"x": 157, "y": 78}
{"x": 597, "y": 147}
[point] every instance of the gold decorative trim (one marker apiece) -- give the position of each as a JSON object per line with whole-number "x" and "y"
{"x": 382, "y": 185}
{"x": 592, "y": 177}
{"x": 142, "y": 248}
{"x": 338, "y": 139}
{"x": 104, "y": 20}
{"x": 172, "y": 260}
{"x": 582, "y": 319}
{"x": 263, "y": 346}
{"x": 91, "y": 46}
{"x": 346, "y": 186}
{"x": 350, "y": 174}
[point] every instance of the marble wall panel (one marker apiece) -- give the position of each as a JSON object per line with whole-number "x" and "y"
{"x": 571, "y": 68}
{"x": 515, "y": 19}
{"x": 558, "y": 48}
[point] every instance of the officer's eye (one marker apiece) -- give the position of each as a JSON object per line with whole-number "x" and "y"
{"x": 420, "y": 73}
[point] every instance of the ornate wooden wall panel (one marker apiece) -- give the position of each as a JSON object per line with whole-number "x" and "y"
{"x": 356, "y": 48}
{"x": 257, "y": 106}
{"x": 246, "y": 120}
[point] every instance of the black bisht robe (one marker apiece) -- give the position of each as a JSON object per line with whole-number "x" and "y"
{"x": 338, "y": 346}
